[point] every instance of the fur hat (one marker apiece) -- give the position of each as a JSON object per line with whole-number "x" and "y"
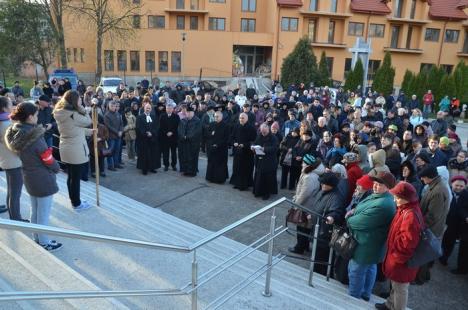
{"x": 405, "y": 191}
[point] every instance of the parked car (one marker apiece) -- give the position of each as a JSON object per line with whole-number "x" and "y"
{"x": 59, "y": 74}
{"x": 109, "y": 84}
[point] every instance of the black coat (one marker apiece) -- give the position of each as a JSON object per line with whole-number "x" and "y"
{"x": 217, "y": 143}
{"x": 265, "y": 182}
{"x": 190, "y": 135}
{"x": 289, "y": 142}
{"x": 147, "y": 146}
{"x": 303, "y": 148}
{"x": 243, "y": 162}
{"x": 45, "y": 117}
{"x": 169, "y": 124}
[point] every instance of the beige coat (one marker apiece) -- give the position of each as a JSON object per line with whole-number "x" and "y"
{"x": 72, "y": 126}
{"x": 130, "y": 129}
{"x": 377, "y": 161}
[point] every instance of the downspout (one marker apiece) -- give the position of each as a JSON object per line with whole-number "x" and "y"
{"x": 441, "y": 43}
{"x": 277, "y": 42}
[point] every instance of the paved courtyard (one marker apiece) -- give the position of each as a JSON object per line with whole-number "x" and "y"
{"x": 215, "y": 206}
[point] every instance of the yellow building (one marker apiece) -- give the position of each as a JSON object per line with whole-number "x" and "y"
{"x": 176, "y": 39}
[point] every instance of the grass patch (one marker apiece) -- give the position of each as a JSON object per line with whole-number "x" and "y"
{"x": 25, "y": 83}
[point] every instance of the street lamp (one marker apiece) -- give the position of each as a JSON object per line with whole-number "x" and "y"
{"x": 183, "y": 54}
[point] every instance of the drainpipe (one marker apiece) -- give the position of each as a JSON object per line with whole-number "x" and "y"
{"x": 441, "y": 43}
{"x": 277, "y": 42}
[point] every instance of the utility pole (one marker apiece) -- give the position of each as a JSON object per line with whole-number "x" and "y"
{"x": 183, "y": 55}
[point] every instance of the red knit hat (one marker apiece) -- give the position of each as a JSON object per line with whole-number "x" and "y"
{"x": 365, "y": 182}
{"x": 405, "y": 190}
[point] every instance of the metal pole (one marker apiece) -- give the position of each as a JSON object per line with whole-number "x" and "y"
{"x": 194, "y": 281}
{"x": 314, "y": 251}
{"x": 267, "y": 291}
{"x": 329, "y": 266}
{"x": 96, "y": 154}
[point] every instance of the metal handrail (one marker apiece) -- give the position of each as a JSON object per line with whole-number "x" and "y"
{"x": 274, "y": 232}
{"x": 36, "y": 228}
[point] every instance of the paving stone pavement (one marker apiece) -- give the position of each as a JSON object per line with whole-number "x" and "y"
{"x": 215, "y": 206}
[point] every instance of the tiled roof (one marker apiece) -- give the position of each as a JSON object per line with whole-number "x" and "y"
{"x": 378, "y": 7}
{"x": 463, "y": 4}
{"x": 290, "y": 3}
{"x": 447, "y": 9}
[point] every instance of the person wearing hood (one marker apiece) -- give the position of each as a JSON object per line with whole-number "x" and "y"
{"x": 402, "y": 241}
{"x": 409, "y": 175}
{"x": 312, "y": 169}
{"x": 377, "y": 163}
{"x": 26, "y": 139}
{"x": 11, "y": 164}
{"x": 72, "y": 123}
{"x": 340, "y": 171}
{"x": 361, "y": 150}
{"x": 353, "y": 171}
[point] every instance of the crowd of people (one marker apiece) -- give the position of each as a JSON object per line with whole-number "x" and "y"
{"x": 373, "y": 163}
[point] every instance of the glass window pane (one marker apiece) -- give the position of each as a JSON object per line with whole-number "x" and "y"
{"x": 163, "y": 61}
{"x": 313, "y": 5}
{"x": 122, "y": 60}
{"x": 180, "y": 22}
{"x": 180, "y": 4}
{"x": 293, "y": 24}
{"x": 176, "y": 61}
{"x": 134, "y": 61}
{"x": 253, "y": 5}
{"x": 149, "y": 61}
{"x": 285, "y": 24}
{"x": 193, "y": 22}
{"x": 108, "y": 60}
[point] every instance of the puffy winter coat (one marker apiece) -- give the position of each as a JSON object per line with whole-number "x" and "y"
{"x": 403, "y": 238}
{"x": 377, "y": 160}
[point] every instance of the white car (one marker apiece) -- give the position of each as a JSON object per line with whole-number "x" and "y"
{"x": 109, "y": 84}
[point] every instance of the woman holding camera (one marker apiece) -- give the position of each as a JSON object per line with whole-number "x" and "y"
{"x": 73, "y": 122}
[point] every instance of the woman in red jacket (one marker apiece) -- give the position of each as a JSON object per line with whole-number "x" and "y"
{"x": 402, "y": 241}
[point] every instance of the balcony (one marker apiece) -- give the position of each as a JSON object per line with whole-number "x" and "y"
{"x": 462, "y": 54}
{"x": 185, "y": 11}
{"x": 403, "y": 50}
{"x": 408, "y": 20}
{"x": 329, "y": 45}
{"x": 335, "y": 15}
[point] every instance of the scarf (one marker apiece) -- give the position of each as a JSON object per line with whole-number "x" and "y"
{"x": 5, "y": 116}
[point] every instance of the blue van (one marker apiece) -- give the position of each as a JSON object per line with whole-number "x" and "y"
{"x": 65, "y": 73}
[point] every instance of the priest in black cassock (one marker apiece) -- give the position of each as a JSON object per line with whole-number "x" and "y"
{"x": 265, "y": 148}
{"x": 189, "y": 134}
{"x": 243, "y": 135}
{"x": 147, "y": 128}
{"x": 217, "y": 143}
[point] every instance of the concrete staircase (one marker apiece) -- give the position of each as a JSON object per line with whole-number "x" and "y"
{"x": 84, "y": 265}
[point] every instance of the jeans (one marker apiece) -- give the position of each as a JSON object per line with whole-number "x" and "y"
{"x": 49, "y": 140}
{"x": 130, "y": 149}
{"x": 115, "y": 145}
{"x": 398, "y": 296}
{"x": 40, "y": 212}
{"x": 361, "y": 279}
{"x": 73, "y": 183}
{"x": 426, "y": 110}
{"x": 14, "y": 178}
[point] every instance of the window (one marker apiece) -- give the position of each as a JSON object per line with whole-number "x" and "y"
{"x": 451, "y": 36}
{"x": 465, "y": 44}
{"x": 398, "y": 8}
{"x": 134, "y": 61}
{"x": 136, "y": 22}
{"x": 409, "y": 37}
{"x": 82, "y": 54}
{"x": 180, "y": 22}
{"x": 355, "y": 29}
{"x": 163, "y": 61}
{"x": 247, "y": 25}
{"x": 333, "y": 6}
{"x": 289, "y": 24}
{"x": 216, "y": 23}
{"x": 313, "y": 6}
{"x": 373, "y": 66}
{"x": 122, "y": 60}
{"x": 432, "y": 34}
{"x": 193, "y": 22}
{"x": 447, "y": 68}
{"x": 376, "y": 30}
{"x": 312, "y": 29}
{"x": 194, "y": 4}
{"x": 158, "y": 22}
{"x": 413, "y": 9}
{"x": 426, "y": 67}
{"x": 108, "y": 60}
{"x": 347, "y": 66}
{"x": 249, "y": 5}
{"x": 75, "y": 54}
{"x": 218, "y": 1}
{"x": 395, "y": 36}
{"x": 180, "y": 4}
{"x": 331, "y": 31}
{"x": 176, "y": 61}
{"x": 149, "y": 61}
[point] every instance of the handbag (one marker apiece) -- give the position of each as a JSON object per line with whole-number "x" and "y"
{"x": 105, "y": 151}
{"x": 287, "y": 159}
{"x": 343, "y": 242}
{"x": 296, "y": 216}
{"x": 429, "y": 247}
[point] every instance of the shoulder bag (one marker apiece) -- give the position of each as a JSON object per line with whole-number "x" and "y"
{"x": 343, "y": 242}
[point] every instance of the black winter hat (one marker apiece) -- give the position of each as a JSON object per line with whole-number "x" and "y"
{"x": 329, "y": 178}
{"x": 430, "y": 171}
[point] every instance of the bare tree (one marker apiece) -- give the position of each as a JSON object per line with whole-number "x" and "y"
{"x": 55, "y": 10}
{"x": 113, "y": 19}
